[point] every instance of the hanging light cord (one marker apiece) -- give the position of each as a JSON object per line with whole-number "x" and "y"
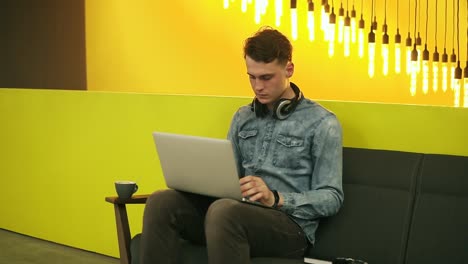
{"x": 453, "y": 26}
{"x": 398, "y": 14}
{"x": 409, "y": 16}
{"x": 373, "y": 11}
{"x": 427, "y": 18}
{"x": 362, "y": 7}
{"x": 415, "y": 17}
{"x": 435, "y": 40}
{"x": 445, "y": 32}
{"x": 372, "y": 15}
{"x": 458, "y": 29}
{"x": 419, "y": 18}
{"x": 385, "y": 12}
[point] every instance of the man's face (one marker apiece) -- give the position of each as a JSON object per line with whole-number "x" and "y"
{"x": 269, "y": 81}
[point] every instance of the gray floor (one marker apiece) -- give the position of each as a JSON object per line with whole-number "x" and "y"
{"x": 19, "y": 249}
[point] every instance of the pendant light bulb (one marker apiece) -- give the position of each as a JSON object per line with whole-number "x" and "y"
{"x": 244, "y": 6}
{"x": 374, "y": 24}
{"x": 264, "y": 6}
{"x": 353, "y": 25}
{"x": 278, "y": 11}
{"x": 385, "y": 41}
{"x": 419, "y": 49}
{"x": 445, "y": 67}
{"x": 398, "y": 52}
{"x": 331, "y": 33}
{"x": 425, "y": 69}
{"x": 457, "y": 85}
{"x": 340, "y": 24}
{"x": 361, "y": 37}
{"x": 311, "y": 20}
{"x": 414, "y": 70}
{"x": 435, "y": 70}
{"x": 326, "y": 22}
{"x": 371, "y": 53}
{"x": 294, "y": 19}
{"x": 324, "y": 16}
{"x": 257, "y": 11}
{"x": 453, "y": 61}
{"x": 408, "y": 54}
{"x": 347, "y": 35}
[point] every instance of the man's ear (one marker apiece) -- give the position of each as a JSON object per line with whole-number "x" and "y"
{"x": 289, "y": 69}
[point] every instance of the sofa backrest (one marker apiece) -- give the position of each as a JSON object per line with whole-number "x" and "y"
{"x": 439, "y": 229}
{"x": 373, "y": 223}
{"x": 399, "y": 208}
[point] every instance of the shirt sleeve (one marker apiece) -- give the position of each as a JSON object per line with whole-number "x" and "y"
{"x": 232, "y": 136}
{"x": 326, "y": 192}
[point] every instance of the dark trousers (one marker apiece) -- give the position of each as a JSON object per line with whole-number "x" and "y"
{"x": 232, "y": 231}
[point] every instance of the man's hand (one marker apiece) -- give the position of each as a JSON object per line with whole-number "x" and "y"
{"x": 256, "y": 189}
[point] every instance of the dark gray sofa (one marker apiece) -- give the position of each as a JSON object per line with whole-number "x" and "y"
{"x": 399, "y": 207}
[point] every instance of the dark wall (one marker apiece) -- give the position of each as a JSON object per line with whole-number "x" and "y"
{"x": 42, "y": 44}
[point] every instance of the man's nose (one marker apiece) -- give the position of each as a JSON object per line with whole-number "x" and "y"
{"x": 258, "y": 85}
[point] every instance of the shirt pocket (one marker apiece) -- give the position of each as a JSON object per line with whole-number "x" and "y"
{"x": 247, "y": 143}
{"x": 288, "y": 152}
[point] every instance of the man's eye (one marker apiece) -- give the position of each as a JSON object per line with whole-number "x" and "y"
{"x": 266, "y": 78}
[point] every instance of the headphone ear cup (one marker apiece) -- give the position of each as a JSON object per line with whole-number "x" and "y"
{"x": 258, "y": 108}
{"x": 282, "y": 109}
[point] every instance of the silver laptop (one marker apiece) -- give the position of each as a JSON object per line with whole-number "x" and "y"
{"x": 198, "y": 165}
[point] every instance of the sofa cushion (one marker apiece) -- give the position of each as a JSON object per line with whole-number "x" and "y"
{"x": 439, "y": 230}
{"x": 373, "y": 223}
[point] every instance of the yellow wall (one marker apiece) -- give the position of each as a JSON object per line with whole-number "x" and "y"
{"x": 195, "y": 47}
{"x": 62, "y": 150}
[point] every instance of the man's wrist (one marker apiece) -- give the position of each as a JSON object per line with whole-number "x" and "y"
{"x": 277, "y": 198}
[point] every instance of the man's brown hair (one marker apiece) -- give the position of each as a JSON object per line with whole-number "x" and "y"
{"x": 268, "y": 44}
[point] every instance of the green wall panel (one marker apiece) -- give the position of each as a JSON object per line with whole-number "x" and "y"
{"x": 61, "y": 151}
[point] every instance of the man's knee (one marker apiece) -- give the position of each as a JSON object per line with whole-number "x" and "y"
{"x": 223, "y": 218}
{"x": 161, "y": 204}
{"x": 163, "y": 197}
{"x": 160, "y": 199}
{"x": 222, "y": 210}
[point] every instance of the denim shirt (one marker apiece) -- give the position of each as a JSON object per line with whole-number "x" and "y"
{"x": 300, "y": 157}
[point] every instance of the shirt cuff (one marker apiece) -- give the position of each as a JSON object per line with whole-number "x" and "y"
{"x": 288, "y": 203}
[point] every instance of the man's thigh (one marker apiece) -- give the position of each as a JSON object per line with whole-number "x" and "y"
{"x": 273, "y": 233}
{"x": 269, "y": 232}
